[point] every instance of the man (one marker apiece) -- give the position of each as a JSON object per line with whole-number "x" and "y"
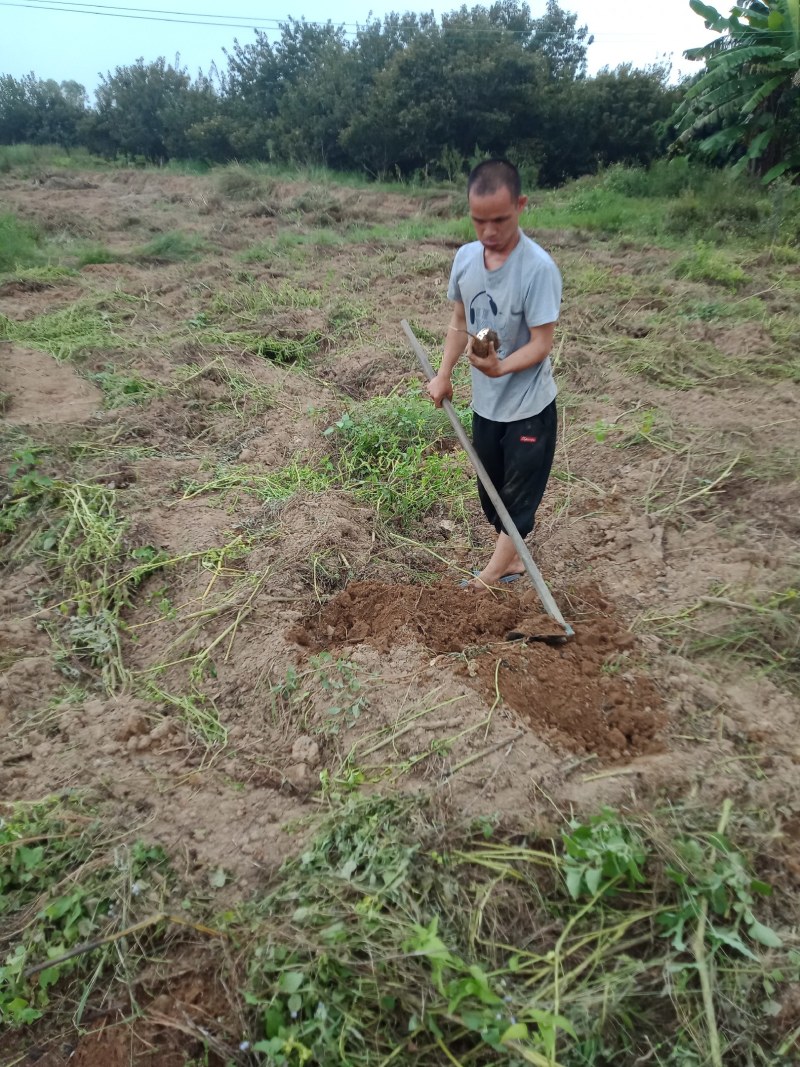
{"x": 505, "y": 282}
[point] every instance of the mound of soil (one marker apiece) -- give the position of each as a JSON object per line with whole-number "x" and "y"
{"x": 578, "y": 693}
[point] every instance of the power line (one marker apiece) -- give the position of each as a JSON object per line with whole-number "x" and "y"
{"x": 197, "y": 18}
{"x": 140, "y": 18}
{"x": 102, "y": 8}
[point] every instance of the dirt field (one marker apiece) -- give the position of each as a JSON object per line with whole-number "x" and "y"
{"x": 668, "y": 536}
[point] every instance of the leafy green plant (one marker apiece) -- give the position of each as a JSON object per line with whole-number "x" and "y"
{"x": 390, "y": 938}
{"x": 602, "y": 855}
{"x": 718, "y": 875}
{"x": 393, "y": 453}
{"x": 339, "y": 682}
{"x": 66, "y": 890}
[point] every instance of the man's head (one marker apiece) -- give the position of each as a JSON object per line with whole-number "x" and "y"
{"x": 495, "y": 199}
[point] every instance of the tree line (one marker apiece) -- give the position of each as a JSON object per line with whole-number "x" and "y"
{"x": 410, "y": 94}
{"x": 404, "y": 94}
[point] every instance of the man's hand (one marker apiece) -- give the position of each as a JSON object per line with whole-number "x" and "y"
{"x": 440, "y": 388}
{"x": 489, "y": 365}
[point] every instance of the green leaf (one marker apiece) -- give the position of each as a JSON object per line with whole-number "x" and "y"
{"x": 515, "y": 1032}
{"x": 273, "y": 1047}
{"x": 217, "y": 878}
{"x": 291, "y": 981}
{"x": 548, "y": 1020}
{"x": 761, "y": 94}
{"x": 764, "y": 935}
{"x": 295, "y": 1004}
{"x": 593, "y": 876}
{"x": 712, "y": 17}
{"x": 731, "y": 938}
{"x": 574, "y": 881}
{"x": 31, "y": 857}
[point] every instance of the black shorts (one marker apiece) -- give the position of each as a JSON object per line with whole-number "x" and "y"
{"x": 518, "y": 457}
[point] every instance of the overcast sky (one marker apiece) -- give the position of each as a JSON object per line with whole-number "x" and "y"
{"x": 62, "y": 39}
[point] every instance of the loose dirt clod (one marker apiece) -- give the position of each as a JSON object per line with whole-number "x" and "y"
{"x": 575, "y": 693}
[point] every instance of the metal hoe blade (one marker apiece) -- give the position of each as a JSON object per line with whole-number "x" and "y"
{"x": 531, "y": 569}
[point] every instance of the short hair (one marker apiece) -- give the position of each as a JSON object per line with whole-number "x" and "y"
{"x": 494, "y": 174}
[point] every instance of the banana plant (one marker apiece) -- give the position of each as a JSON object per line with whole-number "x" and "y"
{"x": 745, "y": 106}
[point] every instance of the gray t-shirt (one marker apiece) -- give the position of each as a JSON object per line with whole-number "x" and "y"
{"x": 524, "y": 292}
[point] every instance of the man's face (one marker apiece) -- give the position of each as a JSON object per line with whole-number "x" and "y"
{"x": 496, "y": 218}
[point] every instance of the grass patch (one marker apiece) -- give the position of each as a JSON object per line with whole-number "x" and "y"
{"x": 28, "y": 159}
{"x": 246, "y": 396}
{"x": 120, "y": 390}
{"x": 274, "y": 487}
{"x": 65, "y": 334}
{"x": 706, "y": 264}
{"x": 395, "y": 939}
{"x": 676, "y": 363}
{"x": 19, "y": 244}
{"x": 250, "y": 303}
{"x": 171, "y": 247}
{"x": 97, "y": 254}
{"x": 236, "y": 182}
{"x": 39, "y": 277}
{"x": 283, "y": 350}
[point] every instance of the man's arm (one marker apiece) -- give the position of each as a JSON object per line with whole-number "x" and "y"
{"x": 441, "y": 387}
{"x": 536, "y": 350}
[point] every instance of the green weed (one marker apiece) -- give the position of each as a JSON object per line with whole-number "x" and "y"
{"x": 97, "y": 254}
{"x": 249, "y": 303}
{"x": 68, "y": 889}
{"x": 119, "y": 390}
{"x": 74, "y": 528}
{"x": 19, "y": 244}
{"x": 282, "y": 350}
{"x": 707, "y": 264}
{"x": 171, "y": 247}
{"x": 393, "y": 452}
{"x": 392, "y": 939}
{"x": 65, "y": 334}
{"x": 198, "y": 711}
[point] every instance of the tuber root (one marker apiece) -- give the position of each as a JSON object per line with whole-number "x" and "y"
{"x": 480, "y": 344}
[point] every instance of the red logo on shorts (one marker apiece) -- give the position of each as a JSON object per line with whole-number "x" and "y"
{"x": 528, "y": 440}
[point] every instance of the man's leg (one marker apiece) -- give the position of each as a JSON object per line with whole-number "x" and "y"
{"x": 528, "y": 448}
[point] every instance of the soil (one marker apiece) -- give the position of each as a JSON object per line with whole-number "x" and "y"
{"x": 309, "y": 604}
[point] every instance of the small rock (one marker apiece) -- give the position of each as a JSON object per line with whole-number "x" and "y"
{"x": 247, "y": 455}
